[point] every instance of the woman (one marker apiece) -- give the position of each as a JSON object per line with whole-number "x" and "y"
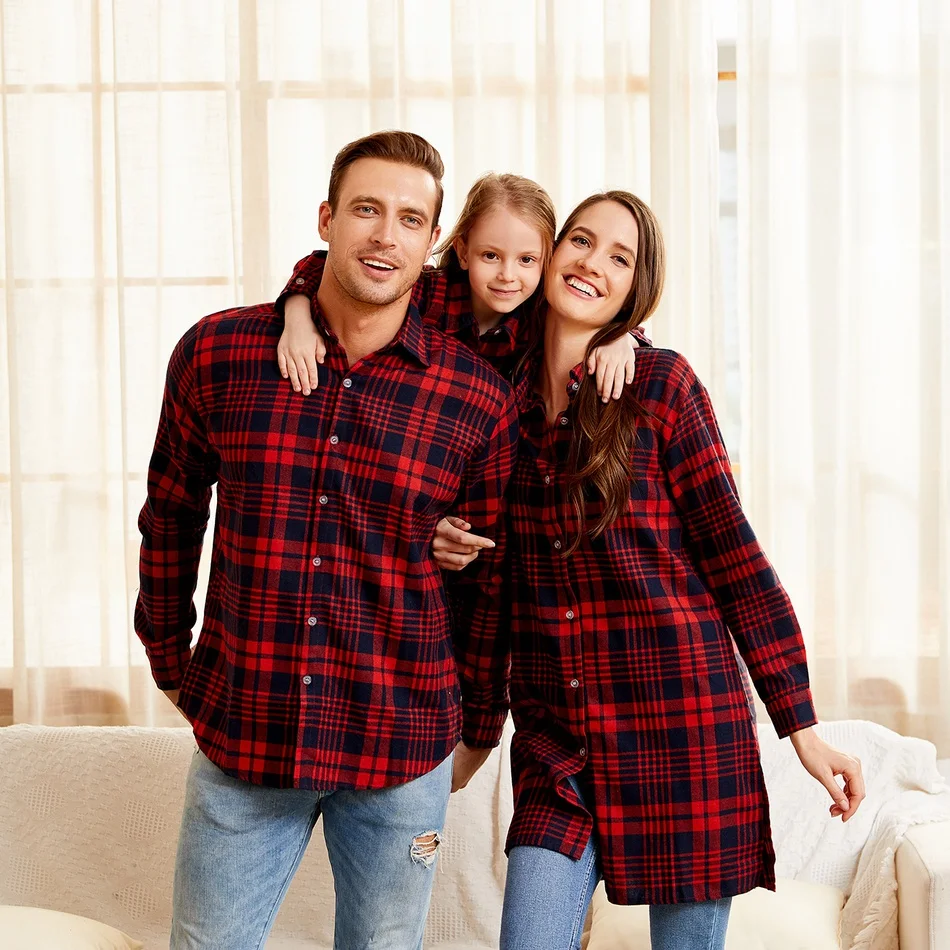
{"x": 635, "y": 756}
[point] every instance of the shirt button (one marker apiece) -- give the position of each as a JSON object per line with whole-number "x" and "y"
{"x": 575, "y": 684}
{"x": 569, "y": 615}
{"x": 547, "y": 479}
{"x": 582, "y": 751}
{"x": 564, "y": 420}
{"x": 317, "y": 562}
{"x": 323, "y": 499}
{"x": 312, "y": 621}
{"x": 334, "y": 439}
{"x": 299, "y": 281}
{"x": 347, "y": 382}
{"x": 575, "y": 387}
{"x": 307, "y": 680}
{"x": 557, "y": 545}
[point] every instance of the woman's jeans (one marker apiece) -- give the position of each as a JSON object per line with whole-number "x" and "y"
{"x": 547, "y": 895}
{"x": 240, "y": 845}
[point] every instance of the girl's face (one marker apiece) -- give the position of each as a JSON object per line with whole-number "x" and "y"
{"x": 503, "y": 256}
{"x": 591, "y": 272}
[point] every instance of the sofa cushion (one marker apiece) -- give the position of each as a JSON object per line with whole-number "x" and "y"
{"x": 799, "y": 915}
{"x": 30, "y": 928}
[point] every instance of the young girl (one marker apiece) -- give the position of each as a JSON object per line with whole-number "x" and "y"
{"x": 633, "y": 567}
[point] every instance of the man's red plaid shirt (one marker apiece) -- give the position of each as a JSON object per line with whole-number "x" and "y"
{"x": 326, "y": 658}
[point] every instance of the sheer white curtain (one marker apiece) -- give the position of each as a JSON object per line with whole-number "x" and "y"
{"x": 844, "y": 216}
{"x": 162, "y": 159}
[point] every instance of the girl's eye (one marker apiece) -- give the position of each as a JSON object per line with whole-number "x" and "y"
{"x": 490, "y": 256}
{"x": 582, "y": 241}
{"x": 528, "y": 261}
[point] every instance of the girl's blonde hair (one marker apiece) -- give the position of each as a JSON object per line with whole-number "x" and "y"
{"x": 522, "y": 196}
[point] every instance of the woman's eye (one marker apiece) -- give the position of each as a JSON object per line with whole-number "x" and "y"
{"x": 622, "y": 261}
{"x": 582, "y": 241}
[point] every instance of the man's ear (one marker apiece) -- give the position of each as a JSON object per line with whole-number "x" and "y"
{"x": 323, "y": 221}
{"x": 436, "y": 233}
{"x": 461, "y": 252}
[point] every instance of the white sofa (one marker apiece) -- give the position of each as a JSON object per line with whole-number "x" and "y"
{"x": 89, "y": 820}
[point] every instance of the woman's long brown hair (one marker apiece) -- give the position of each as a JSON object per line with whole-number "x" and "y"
{"x": 601, "y": 455}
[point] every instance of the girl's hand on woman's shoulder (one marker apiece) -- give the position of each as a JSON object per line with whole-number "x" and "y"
{"x": 301, "y": 346}
{"x": 614, "y": 365}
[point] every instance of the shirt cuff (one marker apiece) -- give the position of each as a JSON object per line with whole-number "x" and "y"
{"x": 792, "y": 712}
{"x": 169, "y": 662}
{"x": 482, "y": 729}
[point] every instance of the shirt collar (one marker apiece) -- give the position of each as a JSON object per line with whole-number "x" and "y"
{"x": 411, "y": 336}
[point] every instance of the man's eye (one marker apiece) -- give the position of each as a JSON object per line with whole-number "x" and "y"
{"x": 366, "y": 209}
{"x": 413, "y": 221}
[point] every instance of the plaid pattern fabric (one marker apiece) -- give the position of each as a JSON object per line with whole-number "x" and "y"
{"x": 623, "y": 667}
{"x": 327, "y": 659}
{"x": 444, "y": 300}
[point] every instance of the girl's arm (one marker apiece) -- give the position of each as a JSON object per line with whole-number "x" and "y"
{"x": 614, "y": 363}
{"x": 301, "y": 346}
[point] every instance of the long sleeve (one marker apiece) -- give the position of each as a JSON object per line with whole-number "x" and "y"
{"x": 729, "y": 557}
{"x": 182, "y": 469}
{"x": 308, "y": 272}
{"x": 481, "y": 621}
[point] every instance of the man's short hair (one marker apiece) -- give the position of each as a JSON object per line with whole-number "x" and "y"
{"x": 404, "y": 148}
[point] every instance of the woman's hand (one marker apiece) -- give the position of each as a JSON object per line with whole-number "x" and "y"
{"x": 614, "y": 363}
{"x": 453, "y": 547}
{"x": 825, "y": 763}
{"x": 301, "y": 347}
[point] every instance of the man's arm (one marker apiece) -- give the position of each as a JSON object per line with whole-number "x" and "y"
{"x": 182, "y": 470}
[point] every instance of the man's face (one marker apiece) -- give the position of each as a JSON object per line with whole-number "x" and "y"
{"x": 381, "y": 232}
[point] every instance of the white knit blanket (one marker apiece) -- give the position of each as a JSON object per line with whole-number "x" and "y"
{"x": 904, "y": 788}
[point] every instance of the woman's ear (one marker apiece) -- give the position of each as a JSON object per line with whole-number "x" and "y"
{"x": 461, "y": 252}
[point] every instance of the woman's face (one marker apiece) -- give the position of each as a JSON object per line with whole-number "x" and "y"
{"x": 591, "y": 272}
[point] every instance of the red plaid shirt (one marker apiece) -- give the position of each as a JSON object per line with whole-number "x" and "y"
{"x": 623, "y": 667}
{"x": 445, "y": 302}
{"x": 326, "y": 659}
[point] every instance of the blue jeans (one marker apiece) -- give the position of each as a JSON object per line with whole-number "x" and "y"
{"x": 547, "y": 895}
{"x": 240, "y": 845}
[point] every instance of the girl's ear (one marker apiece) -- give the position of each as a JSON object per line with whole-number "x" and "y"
{"x": 461, "y": 252}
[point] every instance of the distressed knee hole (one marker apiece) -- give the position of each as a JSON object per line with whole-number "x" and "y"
{"x": 424, "y": 847}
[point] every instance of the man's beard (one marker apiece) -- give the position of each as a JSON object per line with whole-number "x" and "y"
{"x": 364, "y": 290}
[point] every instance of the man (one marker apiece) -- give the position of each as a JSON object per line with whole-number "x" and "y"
{"x": 326, "y": 679}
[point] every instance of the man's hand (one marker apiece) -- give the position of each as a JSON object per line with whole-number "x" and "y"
{"x": 825, "y": 763}
{"x": 172, "y": 694}
{"x": 467, "y": 763}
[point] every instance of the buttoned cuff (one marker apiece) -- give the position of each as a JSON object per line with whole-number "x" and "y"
{"x": 169, "y": 662}
{"x": 482, "y": 729}
{"x": 792, "y": 712}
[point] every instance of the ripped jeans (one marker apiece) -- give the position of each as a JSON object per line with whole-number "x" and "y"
{"x": 240, "y": 845}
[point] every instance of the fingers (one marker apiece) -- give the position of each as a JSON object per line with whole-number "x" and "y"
{"x": 619, "y": 376}
{"x": 602, "y": 382}
{"x": 853, "y": 786}
{"x": 630, "y": 370}
{"x": 453, "y": 562}
{"x": 282, "y": 362}
{"x": 320, "y": 351}
{"x": 311, "y": 365}
{"x": 294, "y": 375}
{"x": 450, "y": 530}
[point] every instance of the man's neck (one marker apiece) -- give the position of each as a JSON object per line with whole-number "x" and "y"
{"x": 361, "y": 328}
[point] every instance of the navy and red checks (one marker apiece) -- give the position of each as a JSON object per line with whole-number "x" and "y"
{"x": 326, "y": 658}
{"x": 623, "y": 668}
